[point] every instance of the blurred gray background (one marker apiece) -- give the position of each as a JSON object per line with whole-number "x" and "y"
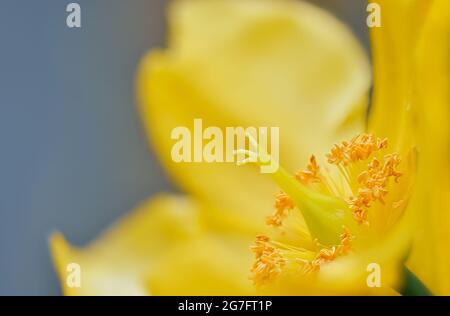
{"x": 73, "y": 157}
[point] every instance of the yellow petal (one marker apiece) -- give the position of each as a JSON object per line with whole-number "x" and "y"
{"x": 252, "y": 63}
{"x": 430, "y": 258}
{"x": 393, "y": 47}
{"x": 142, "y": 254}
{"x": 207, "y": 266}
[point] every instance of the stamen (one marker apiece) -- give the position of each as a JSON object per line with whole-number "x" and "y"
{"x": 311, "y": 174}
{"x": 282, "y": 203}
{"x": 268, "y": 261}
{"x": 346, "y": 241}
{"x": 373, "y": 188}
{"x": 359, "y": 148}
{"x": 329, "y": 254}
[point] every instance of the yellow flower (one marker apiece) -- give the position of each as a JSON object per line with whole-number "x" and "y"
{"x": 288, "y": 64}
{"x": 231, "y": 63}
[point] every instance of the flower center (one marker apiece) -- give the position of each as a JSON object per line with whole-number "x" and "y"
{"x": 323, "y": 213}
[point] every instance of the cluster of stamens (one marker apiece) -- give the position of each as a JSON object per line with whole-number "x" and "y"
{"x": 370, "y": 186}
{"x": 328, "y": 254}
{"x": 268, "y": 261}
{"x": 358, "y": 149}
{"x": 283, "y": 203}
{"x": 311, "y": 174}
{"x": 373, "y": 186}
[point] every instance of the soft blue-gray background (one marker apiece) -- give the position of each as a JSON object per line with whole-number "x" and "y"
{"x": 73, "y": 156}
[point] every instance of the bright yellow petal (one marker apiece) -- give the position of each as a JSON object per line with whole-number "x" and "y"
{"x": 393, "y": 47}
{"x": 431, "y": 252}
{"x": 252, "y": 63}
{"x": 142, "y": 254}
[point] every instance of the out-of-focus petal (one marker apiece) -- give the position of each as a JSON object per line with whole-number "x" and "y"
{"x": 393, "y": 49}
{"x": 430, "y": 258}
{"x": 142, "y": 253}
{"x": 255, "y": 63}
{"x": 208, "y": 266}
